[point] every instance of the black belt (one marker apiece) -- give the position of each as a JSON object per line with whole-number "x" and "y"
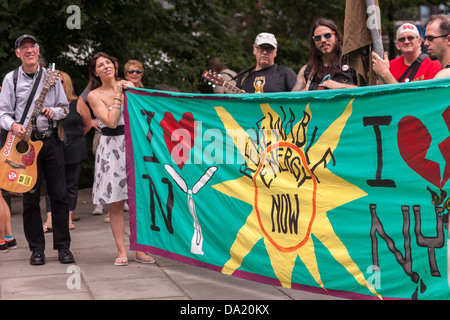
{"x": 118, "y": 131}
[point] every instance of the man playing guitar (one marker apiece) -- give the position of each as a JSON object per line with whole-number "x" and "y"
{"x": 17, "y": 89}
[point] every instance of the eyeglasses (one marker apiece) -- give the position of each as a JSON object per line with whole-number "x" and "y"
{"x": 403, "y": 39}
{"x": 131, "y": 71}
{"x": 326, "y": 36}
{"x": 431, "y": 38}
{"x": 32, "y": 47}
{"x": 269, "y": 49}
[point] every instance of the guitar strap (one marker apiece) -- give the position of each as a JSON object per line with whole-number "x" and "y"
{"x": 30, "y": 98}
{"x": 412, "y": 70}
{"x": 4, "y": 133}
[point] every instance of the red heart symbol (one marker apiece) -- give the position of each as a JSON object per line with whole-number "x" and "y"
{"x": 179, "y": 136}
{"x": 414, "y": 140}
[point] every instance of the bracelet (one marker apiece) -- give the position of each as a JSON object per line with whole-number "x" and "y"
{"x": 114, "y": 107}
{"x": 118, "y": 99}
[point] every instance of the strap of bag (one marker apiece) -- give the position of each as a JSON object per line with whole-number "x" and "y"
{"x": 30, "y": 98}
{"x": 412, "y": 70}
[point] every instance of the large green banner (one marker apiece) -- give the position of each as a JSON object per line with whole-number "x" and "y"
{"x": 339, "y": 192}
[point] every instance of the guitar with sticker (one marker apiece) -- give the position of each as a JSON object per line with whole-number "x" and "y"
{"x": 18, "y": 157}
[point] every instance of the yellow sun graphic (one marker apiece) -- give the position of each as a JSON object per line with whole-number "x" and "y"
{"x": 291, "y": 191}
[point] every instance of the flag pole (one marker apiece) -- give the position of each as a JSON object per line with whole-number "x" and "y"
{"x": 374, "y": 25}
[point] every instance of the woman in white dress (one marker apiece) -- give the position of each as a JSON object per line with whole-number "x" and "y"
{"x": 110, "y": 184}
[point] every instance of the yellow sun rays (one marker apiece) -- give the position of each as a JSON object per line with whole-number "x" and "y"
{"x": 291, "y": 191}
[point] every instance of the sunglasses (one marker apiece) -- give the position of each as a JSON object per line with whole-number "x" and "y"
{"x": 431, "y": 38}
{"x": 269, "y": 49}
{"x": 326, "y": 36}
{"x": 131, "y": 71}
{"x": 403, "y": 39}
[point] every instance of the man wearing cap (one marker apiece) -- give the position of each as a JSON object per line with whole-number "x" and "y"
{"x": 16, "y": 91}
{"x": 412, "y": 65}
{"x": 266, "y": 76}
{"x": 437, "y": 40}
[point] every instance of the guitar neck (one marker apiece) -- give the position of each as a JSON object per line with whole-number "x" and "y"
{"x": 234, "y": 89}
{"x": 36, "y": 112}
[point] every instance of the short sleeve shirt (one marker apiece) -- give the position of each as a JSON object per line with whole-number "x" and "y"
{"x": 273, "y": 79}
{"x": 427, "y": 70}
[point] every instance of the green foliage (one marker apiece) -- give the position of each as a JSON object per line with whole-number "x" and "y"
{"x": 174, "y": 41}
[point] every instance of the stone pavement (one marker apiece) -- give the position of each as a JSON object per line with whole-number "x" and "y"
{"x": 95, "y": 277}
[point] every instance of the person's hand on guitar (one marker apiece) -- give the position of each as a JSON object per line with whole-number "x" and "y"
{"x": 18, "y": 129}
{"x": 47, "y": 112}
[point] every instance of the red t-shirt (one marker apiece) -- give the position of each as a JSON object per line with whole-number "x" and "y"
{"x": 427, "y": 70}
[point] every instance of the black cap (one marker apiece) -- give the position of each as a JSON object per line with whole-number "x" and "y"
{"x": 23, "y": 37}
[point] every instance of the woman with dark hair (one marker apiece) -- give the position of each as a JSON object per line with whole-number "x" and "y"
{"x": 110, "y": 183}
{"x": 325, "y": 68}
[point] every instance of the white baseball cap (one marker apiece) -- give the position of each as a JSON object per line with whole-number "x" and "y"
{"x": 266, "y": 38}
{"x": 407, "y": 27}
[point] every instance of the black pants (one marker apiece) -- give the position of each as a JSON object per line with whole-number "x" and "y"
{"x": 73, "y": 172}
{"x": 51, "y": 165}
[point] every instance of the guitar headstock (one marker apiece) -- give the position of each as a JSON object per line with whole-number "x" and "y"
{"x": 51, "y": 77}
{"x": 213, "y": 78}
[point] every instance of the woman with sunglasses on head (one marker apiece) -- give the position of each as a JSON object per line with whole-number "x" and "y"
{"x": 134, "y": 72}
{"x": 325, "y": 68}
{"x": 412, "y": 65}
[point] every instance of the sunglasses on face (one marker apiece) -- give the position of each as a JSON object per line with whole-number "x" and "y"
{"x": 269, "y": 49}
{"x": 403, "y": 39}
{"x": 326, "y": 36}
{"x": 431, "y": 38}
{"x": 131, "y": 71}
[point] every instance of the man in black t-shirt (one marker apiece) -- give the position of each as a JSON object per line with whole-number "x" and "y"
{"x": 266, "y": 76}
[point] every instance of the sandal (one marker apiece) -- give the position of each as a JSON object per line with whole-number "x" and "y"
{"x": 121, "y": 262}
{"x": 47, "y": 228}
{"x": 144, "y": 259}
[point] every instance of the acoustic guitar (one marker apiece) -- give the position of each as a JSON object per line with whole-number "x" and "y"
{"x": 216, "y": 80}
{"x": 18, "y": 157}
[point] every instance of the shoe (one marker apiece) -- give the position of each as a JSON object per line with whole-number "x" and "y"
{"x": 37, "y": 258}
{"x": 12, "y": 244}
{"x": 107, "y": 219}
{"x": 98, "y": 209}
{"x": 75, "y": 217}
{"x": 125, "y": 207}
{"x": 65, "y": 256}
{"x": 4, "y": 248}
{"x": 121, "y": 262}
{"x": 144, "y": 259}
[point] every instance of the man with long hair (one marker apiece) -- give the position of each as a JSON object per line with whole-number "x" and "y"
{"x": 325, "y": 68}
